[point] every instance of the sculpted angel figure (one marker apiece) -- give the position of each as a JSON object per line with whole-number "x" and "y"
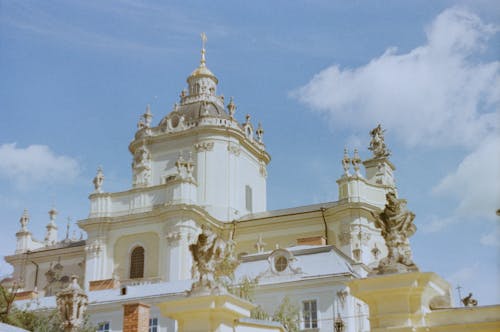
{"x": 377, "y": 143}
{"x": 396, "y": 226}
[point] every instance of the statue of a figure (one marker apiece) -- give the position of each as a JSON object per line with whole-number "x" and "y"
{"x": 396, "y": 225}
{"x": 211, "y": 259}
{"x": 468, "y": 301}
{"x": 377, "y": 143}
{"x": 141, "y": 167}
{"x": 98, "y": 180}
{"x": 141, "y": 158}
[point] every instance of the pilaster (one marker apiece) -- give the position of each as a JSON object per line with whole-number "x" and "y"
{"x": 177, "y": 261}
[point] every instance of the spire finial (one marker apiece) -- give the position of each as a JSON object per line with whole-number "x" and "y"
{"x": 52, "y": 214}
{"x": 346, "y": 162}
{"x": 203, "y": 41}
{"x": 355, "y": 162}
{"x": 67, "y": 228}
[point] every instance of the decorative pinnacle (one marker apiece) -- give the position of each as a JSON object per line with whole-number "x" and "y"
{"x": 147, "y": 116}
{"x": 52, "y": 214}
{"x": 203, "y": 41}
{"x": 356, "y": 161}
{"x": 67, "y": 228}
{"x": 346, "y": 162}
{"x": 231, "y": 107}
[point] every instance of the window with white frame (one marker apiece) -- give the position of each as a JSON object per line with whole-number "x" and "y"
{"x": 310, "y": 314}
{"x": 103, "y": 327}
{"x": 153, "y": 324}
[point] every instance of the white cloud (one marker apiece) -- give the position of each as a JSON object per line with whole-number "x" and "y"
{"x": 434, "y": 95}
{"x": 35, "y": 164}
{"x": 476, "y": 181}
{"x": 436, "y": 224}
{"x": 491, "y": 239}
{"x": 464, "y": 274}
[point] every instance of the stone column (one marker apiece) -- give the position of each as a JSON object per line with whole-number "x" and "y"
{"x": 136, "y": 317}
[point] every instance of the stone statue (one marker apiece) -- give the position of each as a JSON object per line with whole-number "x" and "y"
{"x": 211, "y": 259}
{"x": 468, "y": 301}
{"x": 98, "y": 180}
{"x": 25, "y": 218}
{"x": 141, "y": 167}
{"x": 377, "y": 144}
{"x": 396, "y": 225}
{"x": 72, "y": 303}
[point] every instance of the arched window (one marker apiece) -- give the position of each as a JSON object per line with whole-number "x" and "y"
{"x": 137, "y": 263}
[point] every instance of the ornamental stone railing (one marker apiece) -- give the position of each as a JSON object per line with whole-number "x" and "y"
{"x": 139, "y": 200}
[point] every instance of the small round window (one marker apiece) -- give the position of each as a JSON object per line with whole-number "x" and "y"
{"x": 280, "y": 263}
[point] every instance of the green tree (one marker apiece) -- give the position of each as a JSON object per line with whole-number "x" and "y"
{"x": 245, "y": 288}
{"x": 288, "y": 315}
{"x": 259, "y": 313}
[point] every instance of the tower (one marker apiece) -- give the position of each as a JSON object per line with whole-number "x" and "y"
{"x": 197, "y": 166}
{"x": 199, "y": 143}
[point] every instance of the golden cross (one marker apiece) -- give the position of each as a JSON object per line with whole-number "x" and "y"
{"x": 203, "y": 40}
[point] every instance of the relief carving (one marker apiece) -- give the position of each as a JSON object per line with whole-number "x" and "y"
{"x": 234, "y": 149}
{"x": 204, "y": 146}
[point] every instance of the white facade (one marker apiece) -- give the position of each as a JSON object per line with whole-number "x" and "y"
{"x": 199, "y": 166}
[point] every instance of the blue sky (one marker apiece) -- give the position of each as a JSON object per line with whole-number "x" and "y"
{"x": 76, "y": 75}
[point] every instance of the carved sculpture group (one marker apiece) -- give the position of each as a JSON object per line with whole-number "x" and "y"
{"x": 377, "y": 143}
{"x": 212, "y": 259}
{"x": 396, "y": 225}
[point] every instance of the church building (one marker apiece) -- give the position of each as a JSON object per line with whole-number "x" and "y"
{"x": 199, "y": 167}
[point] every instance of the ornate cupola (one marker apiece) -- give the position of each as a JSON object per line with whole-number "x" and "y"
{"x": 202, "y": 81}
{"x": 201, "y": 100}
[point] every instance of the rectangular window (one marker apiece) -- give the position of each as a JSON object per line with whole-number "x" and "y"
{"x": 310, "y": 314}
{"x": 153, "y": 324}
{"x": 103, "y": 327}
{"x": 248, "y": 198}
